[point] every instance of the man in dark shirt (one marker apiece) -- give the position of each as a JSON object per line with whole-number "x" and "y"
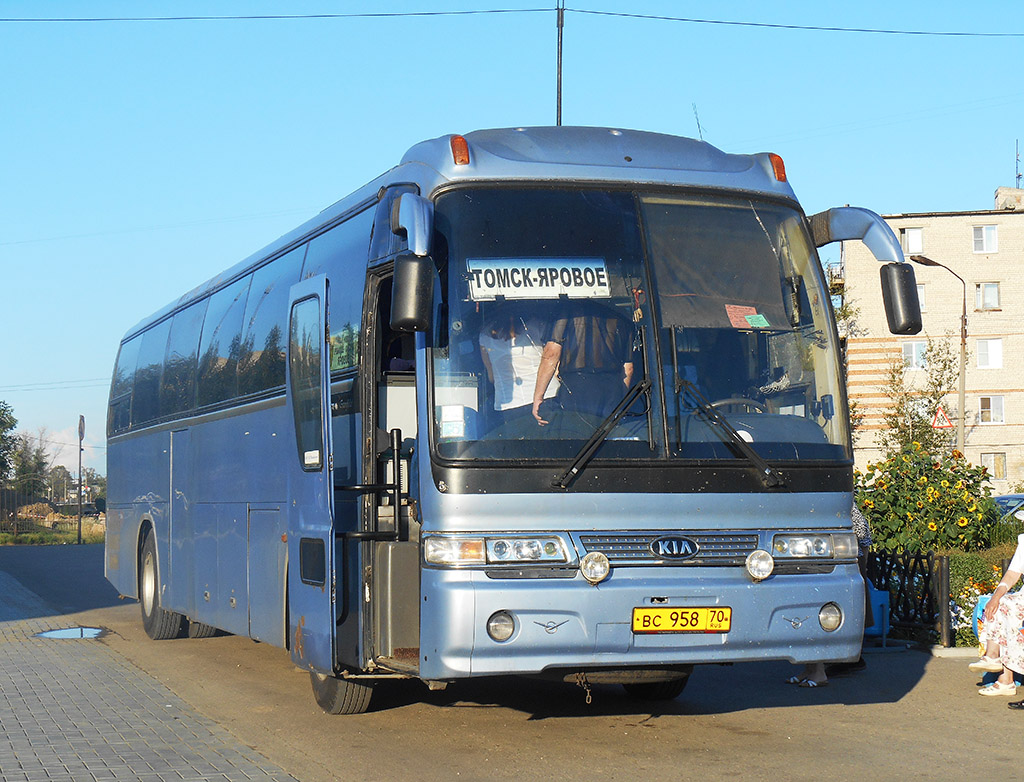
{"x": 592, "y": 352}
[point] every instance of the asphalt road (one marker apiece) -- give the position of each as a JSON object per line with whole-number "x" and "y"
{"x": 908, "y": 716}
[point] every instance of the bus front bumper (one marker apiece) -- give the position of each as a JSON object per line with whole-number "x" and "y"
{"x": 566, "y": 623}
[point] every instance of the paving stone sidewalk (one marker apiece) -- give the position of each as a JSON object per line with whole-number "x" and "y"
{"x": 73, "y": 709}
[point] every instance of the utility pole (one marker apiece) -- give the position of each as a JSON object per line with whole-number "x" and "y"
{"x": 560, "y": 22}
{"x": 81, "y": 437}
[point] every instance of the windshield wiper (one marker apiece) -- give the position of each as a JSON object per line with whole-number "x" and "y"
{"x": 598, "y": 437}
{"x": 771, "y": 477}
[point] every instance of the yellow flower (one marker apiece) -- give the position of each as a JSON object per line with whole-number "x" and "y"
{"x": 944, "y": 484}
{"x": 920, "y": 504}
{"x": 931, "y": 526}
{"x": 917, "y": 445}
{"x": 973, "y": 508}
{"x": 962, "y": 521}
{"x": 869, "y": 504}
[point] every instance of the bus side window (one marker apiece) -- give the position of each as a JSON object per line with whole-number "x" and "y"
{"x": 119, "y": 415}
{"x": 221, "y": 344}
{"x": 340, "y": 253}
{"x": 262, "y": 352}
{"x": 146, "y": 395}
{"x": 178, "y": 386}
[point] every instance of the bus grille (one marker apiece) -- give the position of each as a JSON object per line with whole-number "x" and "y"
{"x": 634, "y": 548}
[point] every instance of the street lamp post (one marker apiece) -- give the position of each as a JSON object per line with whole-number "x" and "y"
{"x": 924, "y": 261}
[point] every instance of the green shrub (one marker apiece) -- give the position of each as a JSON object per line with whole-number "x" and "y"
{"x": 916, "y": 501}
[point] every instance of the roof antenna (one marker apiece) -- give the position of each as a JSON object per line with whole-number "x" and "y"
{"x": 700, "y": 130}
{"x": 560, "y": 22}
{"x": 1018, "y": 176}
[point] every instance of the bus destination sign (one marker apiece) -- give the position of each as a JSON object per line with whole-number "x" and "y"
{"x": 537, "y": 278}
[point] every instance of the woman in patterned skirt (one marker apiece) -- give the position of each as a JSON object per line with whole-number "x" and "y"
{"x": 1002, "y": 633}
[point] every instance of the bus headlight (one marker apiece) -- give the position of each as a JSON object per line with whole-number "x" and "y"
{"x": 453, "y": 551}
{"x": 800, "y": 546}
{"x": 830, "y": 617}
{"x": 508, "y": 550}
{"x": 760, "y": 564}
{"x": 529, "y": 549}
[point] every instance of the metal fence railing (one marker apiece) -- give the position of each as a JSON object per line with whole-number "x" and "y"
{"x": 918, "y": 587}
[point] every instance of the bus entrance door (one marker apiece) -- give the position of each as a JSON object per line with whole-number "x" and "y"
{"x": 312, "y": 578}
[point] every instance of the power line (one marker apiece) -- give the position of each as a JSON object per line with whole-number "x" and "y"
{"x": 484, "y": 12}
{"x": 810, "y": 28}
{"x": 58, "y": 385}
{"x": 273, "y": 17}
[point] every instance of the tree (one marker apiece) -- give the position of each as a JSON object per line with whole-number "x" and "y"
{"x": 909, "y": 419}
{"x": 60, "y": 483}
{"x": 97, "y": 482}
{"x": 7, "y": 440}
{"x": 32, "y": 463}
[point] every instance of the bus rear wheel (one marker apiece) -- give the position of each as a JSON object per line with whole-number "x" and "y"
{"x": 158, "y": 623}
{"x": 656, "y": 691}
{"x": 200, "y": 630}
{"x": 340, "y": 696}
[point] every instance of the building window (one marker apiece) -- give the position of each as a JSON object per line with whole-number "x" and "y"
{"x": 995, "y": 463}
{"x": 912, "y": 240}
{"x": 914, "y": 355}
{"x": 986, "y": 296}
{"x": 985, "y": 239}
{"x": 990, "y": 410}
{"x": 990, "y": 354}
{"x": 920, "y": 296}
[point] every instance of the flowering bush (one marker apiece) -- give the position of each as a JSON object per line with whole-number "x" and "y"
{"x": 962, "y": 605}
{"x": 915, "y": 501}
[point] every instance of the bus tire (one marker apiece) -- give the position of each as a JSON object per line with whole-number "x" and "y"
{"x": 158, "y": 623}
{"x": 200, "y": 630}
{"x": 340, "y": 696}
{"x": 656, "y": 691}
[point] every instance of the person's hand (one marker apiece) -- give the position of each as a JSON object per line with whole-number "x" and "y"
{"x": 536, "y": 413}
{"x": 991, "y": 607}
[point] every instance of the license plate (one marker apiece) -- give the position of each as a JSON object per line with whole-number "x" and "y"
{"x": 682, "y": 620}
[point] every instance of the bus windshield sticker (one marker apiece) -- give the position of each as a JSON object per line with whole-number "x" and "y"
{"x": 739, "y": 316}
{"x": 537, "y": 278}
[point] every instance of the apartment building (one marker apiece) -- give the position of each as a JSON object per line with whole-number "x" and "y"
{"x": 986, "y": 249}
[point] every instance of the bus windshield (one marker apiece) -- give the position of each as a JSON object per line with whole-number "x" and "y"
{"x": 714, "y": 303}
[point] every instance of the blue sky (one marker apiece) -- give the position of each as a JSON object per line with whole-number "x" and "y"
{"x": 138, "y": 159}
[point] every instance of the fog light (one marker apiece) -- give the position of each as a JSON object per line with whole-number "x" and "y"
{"x": 830, "y": 617}
{"x": 595, "y": 567}
{"x": 501, "y": 625}
{"x": 760, "y": 564}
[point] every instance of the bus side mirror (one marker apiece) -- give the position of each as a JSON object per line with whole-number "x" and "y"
{"x": 413, "y": 217}
{"x": 899, "y": 295}
{"x": 899, "y": 288}
{"x": 412, "y": 293}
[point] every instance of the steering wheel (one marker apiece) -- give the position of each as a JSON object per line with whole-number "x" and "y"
{"x": 739, "y": 401}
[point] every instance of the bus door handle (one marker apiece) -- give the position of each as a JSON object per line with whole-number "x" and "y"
{"x": 401, "y": 532}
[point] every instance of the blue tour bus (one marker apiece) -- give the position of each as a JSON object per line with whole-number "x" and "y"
{"x": 331, "y": 447}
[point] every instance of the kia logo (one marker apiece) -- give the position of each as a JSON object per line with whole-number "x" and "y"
{"x": 674, "y": 547}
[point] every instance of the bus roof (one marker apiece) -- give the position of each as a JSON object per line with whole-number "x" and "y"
{"x": 554, "y": 154}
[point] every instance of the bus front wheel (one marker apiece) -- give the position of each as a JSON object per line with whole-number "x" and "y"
{"x": 340, "y": 696}
{"x": 159, "y": 624}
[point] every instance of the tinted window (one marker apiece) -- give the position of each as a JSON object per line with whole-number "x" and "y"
{"x": 261, "y": 361}
{"x": 341, "y": 255}
{"x": 221, "y": 344}
{"x": 146, "y": 397}
{"x": 178, "y": 387}
{"x": 119, "y": 414}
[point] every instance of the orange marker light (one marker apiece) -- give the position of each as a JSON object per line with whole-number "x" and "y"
{"x": 460, "y": 151}
{"x": 778, "y": 167}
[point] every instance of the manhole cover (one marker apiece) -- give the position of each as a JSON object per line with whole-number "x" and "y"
{"x": 73, "y": 632}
